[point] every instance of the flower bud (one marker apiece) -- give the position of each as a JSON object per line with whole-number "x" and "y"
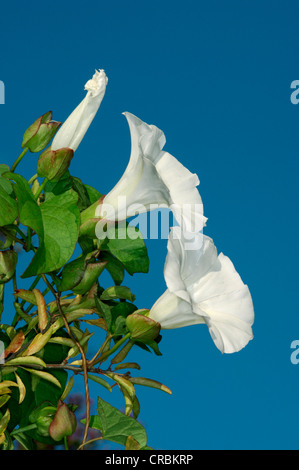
{"x": 43, "y": 422}
{"x": 40, "y": 133}
{"x": 43, "y": 417}
{"x": 142, "y": 328}
{"x": 8, "y": 262}
{"x": 52, "y": 164}
{"x": 74, "y": 128}
{"x": 63, "y": 424}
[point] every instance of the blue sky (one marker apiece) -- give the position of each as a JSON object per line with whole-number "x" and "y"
{"x": 215, "y": 76}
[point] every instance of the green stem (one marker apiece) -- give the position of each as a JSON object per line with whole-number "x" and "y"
{"x": 102, "y": 348}
{"x": 40, "y": 189}
{"x": 33, "y": 178}
{"x": 66, "y": 447}
{"x": 17, "y": 229}
{"x": 14, "y": 166}
{"x": 13, "y": 237}
{"x": 28, "y": 244}
{"x": 24, "y": 429}
{"x": 14, "y": 281}
{"x": 89, "y": 442}
{"x": 117, "y": 345}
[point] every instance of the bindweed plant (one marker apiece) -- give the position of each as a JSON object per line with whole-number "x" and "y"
{"x": 46, "y": 343}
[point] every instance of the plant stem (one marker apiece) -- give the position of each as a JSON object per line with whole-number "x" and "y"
{"x": 17, "y": 229}
{"x": 84, "y": 361}
{"x": 89, "y": 442}
{"x": 20, "y": 157}
{"x": 40, "y": 189}
{"x": 113, "y": 349}
{"x": 108, "y": 338}
{"x": 13, "y": 237}
{"x": 24, "y": 429}
{"x": 29, "y": 234}
{"x": 66, "y": 447}
{"x": 33, "y": 178}
{"x": 14, "y": 281}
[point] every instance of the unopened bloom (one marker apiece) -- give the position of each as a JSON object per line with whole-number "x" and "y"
{"x": 153, "y": 177}
{"x": 204, "y": 287}
{"x": 74, "y": 128}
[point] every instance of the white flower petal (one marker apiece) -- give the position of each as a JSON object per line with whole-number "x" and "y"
{"x": 172, "y": 312}
{"x": 147, "y": 140}
{"x": 229, "y": 333}
{"x": 189, "y": 258}
{"x": 213, "y": 288}
{"x": 74, "y": 128}
{"x": 140, "y": 182}
{"x": 184, "y": 198}
{"x": 152, "y": 178}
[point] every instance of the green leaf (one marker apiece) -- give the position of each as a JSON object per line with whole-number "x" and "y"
{"x": 100, "y": 381}
{"x": 115, "y": 426}
{"x": 115, "y": 268}
{"x": 3, "y": 168}
{"x": 68, "y": 388}
{"x": 128, "y": 249}
{"x": 122, "y": 309}
{"x": 4, "y": 399}
{"x": 93, "y": 194}
{"x": 128, "y": 365}
{"x": 81, "y": 190}
{"x": 4, "y": 183}
{"x": 132, "y": 444}
{"x": 4, "y": 421}
{"x": 26, "y": 361}
{"x": 105, "y": 311}
{"x": 119, "y": 326}
{"x": 150, "y": 383}
{"x": 56, "y": 223}
{"x": 118, "y": 292}
{"x": 9, "y": 209}
{"x": 26, "y": 442}
{"x": 28, "y": 209}
{"x": 60, "y": 217}
{"x": 58, "y": 187}
{"x": 44, "y": 375}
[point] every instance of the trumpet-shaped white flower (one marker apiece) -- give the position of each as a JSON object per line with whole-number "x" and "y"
{"x": 74, "y": 128}
{"x": 153, "y": 177}
{"x": 204, "y": 287}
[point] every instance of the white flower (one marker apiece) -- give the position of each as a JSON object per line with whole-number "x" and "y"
{"x": 204, "y": 287}
{"x": 74, "y": 128}
{"x": 153, "y": 177}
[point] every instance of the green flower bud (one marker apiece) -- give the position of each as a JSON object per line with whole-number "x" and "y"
{"x": 43, "y": 417}
{"x": 43, "y": 423}
{"x": 8, "y": 263}
{"x": 63, "y": 424}
{"x": 52, "y": 164}
{"x": 142, "y": 328}
{"x": 40, "y": 133}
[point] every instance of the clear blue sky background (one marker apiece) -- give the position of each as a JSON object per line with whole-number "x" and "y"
{"x": 215, "y": 76}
